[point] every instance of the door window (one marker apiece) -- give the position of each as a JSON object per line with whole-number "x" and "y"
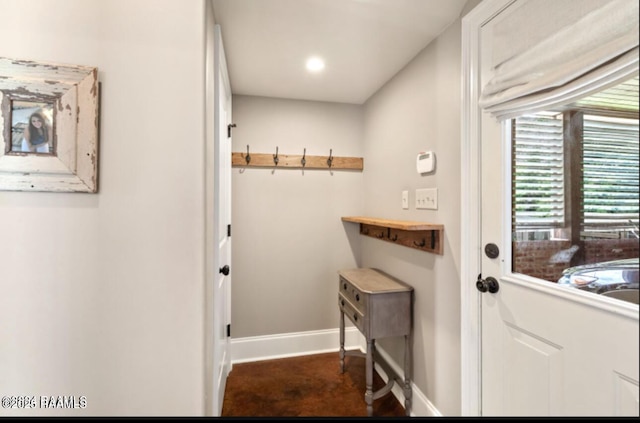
{"x": 575, "y": 193}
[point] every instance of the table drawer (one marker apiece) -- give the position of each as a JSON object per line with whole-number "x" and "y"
{"x": 357, "y": 298}
{"x": 350, "y": 311}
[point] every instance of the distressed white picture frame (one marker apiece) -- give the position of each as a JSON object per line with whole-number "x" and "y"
{"x": 73, "y": 91}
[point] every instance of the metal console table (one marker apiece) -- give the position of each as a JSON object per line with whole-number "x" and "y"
{"x": 379, "y": 306}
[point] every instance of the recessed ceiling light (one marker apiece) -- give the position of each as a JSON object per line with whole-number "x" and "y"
{"x": 315, "y": 64}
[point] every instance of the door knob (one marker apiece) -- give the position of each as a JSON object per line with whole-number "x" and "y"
{"x": 490, "y": 284}
{"x": 225, "y": 270}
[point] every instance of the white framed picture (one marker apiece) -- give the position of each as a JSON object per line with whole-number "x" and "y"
{"x": 49, "y": 122}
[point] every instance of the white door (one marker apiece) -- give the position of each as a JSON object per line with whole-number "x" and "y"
{"x": 222, "y": 224}
{"x": 545, "y": 350}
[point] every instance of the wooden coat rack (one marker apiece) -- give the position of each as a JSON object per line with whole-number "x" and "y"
{"x": 295, "y": 161}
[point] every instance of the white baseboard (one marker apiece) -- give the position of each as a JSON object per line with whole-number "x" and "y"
{"x": 270, "y": 347}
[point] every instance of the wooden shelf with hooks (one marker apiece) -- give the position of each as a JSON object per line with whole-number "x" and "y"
{"x": 295, "y": 161}
{"x": 418, "y": 235}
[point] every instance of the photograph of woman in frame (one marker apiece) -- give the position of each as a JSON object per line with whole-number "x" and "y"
{"x": 32, "y": 129}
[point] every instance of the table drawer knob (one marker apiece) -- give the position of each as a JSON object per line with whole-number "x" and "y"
{"x": 355, "y": 317}
{"x": 357, "y": 297}
{"x": 344, "y": 286}
{"x": 342, "y": 302}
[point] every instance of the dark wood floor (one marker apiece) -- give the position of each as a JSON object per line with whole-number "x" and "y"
{"x": 307, "y": 386}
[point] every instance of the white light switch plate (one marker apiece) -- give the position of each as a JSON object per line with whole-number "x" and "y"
{"x": 427, "y": 198}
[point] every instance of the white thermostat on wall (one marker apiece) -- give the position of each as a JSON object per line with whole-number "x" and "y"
{"x": 426, "y": 162}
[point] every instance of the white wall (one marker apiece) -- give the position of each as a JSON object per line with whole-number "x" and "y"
{"x": 102, "y": 294}
{"x": 288, "y": 239}
{"x": 419, "y": 110}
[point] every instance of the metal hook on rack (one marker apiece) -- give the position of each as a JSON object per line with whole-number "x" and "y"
{"x": 304, "y": 160}
{"x": 247, "y": 157}
{"x": 421, "y": 244}
{"x": 330, "y": 159}
{"x": 275, "y": 157}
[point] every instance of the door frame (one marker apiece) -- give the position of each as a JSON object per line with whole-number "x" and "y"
{"x": 209, "y": 390}
{"x": 471, "y": 206}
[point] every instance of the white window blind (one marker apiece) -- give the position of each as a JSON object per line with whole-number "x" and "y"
{"x": 610, "y": 168}
{"x": 538, "y": 170}
{"x": 555, "y": 52}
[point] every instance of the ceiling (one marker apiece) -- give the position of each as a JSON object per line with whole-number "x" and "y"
{"x": 364, "y": 43}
